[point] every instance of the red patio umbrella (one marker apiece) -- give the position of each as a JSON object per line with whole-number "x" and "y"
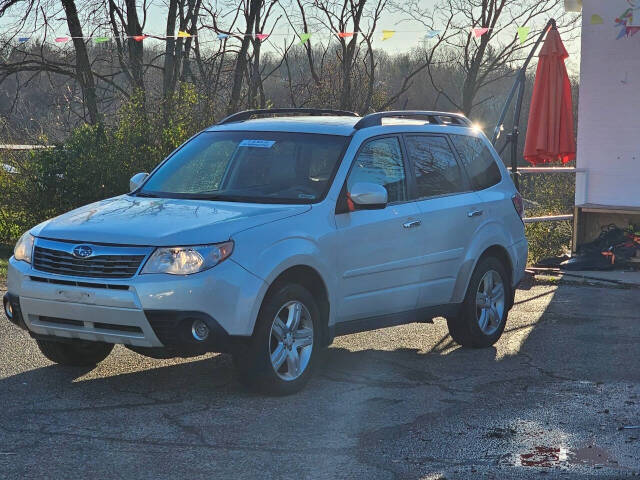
{"x": 550, "y": 134}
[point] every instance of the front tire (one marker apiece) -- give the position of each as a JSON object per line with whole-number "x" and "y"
{"x": 483, "y": 314}
{"x": 77, "y": 353}
{"x": 281, "y": 355}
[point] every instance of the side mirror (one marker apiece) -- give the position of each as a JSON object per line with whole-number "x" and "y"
{"x": 137, "y": 180}
{"x": 368, "y": 196}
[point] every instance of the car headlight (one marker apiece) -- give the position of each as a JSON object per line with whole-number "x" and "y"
{"x": 187, "y": 260}
{"x": 24, "y": 248}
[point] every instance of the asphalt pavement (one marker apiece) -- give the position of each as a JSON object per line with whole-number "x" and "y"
{"x": 550, "y": 400}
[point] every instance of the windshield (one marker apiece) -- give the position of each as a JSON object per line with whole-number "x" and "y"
{"x": 260, "y": 167}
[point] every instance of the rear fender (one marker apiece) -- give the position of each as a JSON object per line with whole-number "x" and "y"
{"x": 488, "y": 235}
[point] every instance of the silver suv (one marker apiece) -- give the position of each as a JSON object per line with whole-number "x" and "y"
{"x": 272, "y": 232}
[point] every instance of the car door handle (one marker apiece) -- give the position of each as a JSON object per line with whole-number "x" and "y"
{"x": 412, "y": 224}
{"x": 474, "y": 213}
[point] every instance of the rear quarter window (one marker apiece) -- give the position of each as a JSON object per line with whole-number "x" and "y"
{"x": 478, "y": 161}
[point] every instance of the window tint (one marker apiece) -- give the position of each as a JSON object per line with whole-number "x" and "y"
{"x": 380, "y": 162}
{"x": 435, "y": 166}
{"x": 478, "y": 161}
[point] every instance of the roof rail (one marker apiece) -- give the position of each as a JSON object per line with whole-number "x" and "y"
{"x": 247, "y": 114}
{"x": 439, "y": 118}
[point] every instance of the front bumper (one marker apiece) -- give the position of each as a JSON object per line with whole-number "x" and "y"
{"x": 125, "y": 311}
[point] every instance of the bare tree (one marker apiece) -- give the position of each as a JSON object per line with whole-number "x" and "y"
{"x": 128, "y": 35}
{"x": 250, "y": 10}
{"x": 359, "y": 17}
{"x": 490, "y": 57}
{"x": 348, "y": 58}
{"x": 184, "y": 15}
{"x": 40, "y": 12}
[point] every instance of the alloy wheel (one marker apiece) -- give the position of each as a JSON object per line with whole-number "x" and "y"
{"x": 291, "y": 340}
{"x": 490, "y": 302}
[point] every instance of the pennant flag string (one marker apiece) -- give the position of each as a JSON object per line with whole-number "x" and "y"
{"x": 624, "y": 22}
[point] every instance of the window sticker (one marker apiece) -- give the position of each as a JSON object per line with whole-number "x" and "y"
{"x": 257, "y": 143}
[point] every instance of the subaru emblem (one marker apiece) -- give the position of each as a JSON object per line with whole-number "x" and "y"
{"x": 82, "y": 251}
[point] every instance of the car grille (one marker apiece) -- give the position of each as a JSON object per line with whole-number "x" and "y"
{"x": 98, "y": 266}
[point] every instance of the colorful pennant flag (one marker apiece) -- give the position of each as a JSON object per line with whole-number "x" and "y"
{"x": 478, "y": 32}
{"x": 596, "y": 19}
{"x": 182, "y": 34}
{"x": 62, "y": 39}
{"x": 631, "y": 31}
{"x": 139, "y": 38}
{"x": 262, "y": 36}
{"x": 101, "y": 39}
{"x": 523, "y": 34}
{"x": 304, "y": 38}
{"x": 222, "y": 36}
{"x": 387, "y": 34}
{"x": 432, "y": 34}
{"x": 345, "y": 34}
{"x": 625, "y": 21}
{"x": 23, "y": 39}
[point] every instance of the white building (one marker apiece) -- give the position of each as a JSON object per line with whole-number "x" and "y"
{"x": 608, "y": 157}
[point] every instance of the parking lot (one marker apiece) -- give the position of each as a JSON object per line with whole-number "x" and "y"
{"x": 553, "y": 396}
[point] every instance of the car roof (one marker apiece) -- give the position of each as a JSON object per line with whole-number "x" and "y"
{"x": 328, "y": 125}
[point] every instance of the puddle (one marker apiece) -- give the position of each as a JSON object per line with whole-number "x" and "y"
{"x": 591, "y": 455}
{"x": 543, "y": 456}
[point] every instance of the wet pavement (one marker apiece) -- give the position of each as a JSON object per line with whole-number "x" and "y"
{"x": 550, "y": 400}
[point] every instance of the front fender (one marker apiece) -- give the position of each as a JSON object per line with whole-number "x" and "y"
{"x": 488, "y": 235}
{"x": 281, "y": 255}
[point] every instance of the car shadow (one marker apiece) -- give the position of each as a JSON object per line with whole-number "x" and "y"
{"x": 568, "y": 346}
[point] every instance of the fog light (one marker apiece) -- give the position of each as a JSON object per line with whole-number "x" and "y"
{"x": 200, "y": 330}
{"x": 8, "y": 309}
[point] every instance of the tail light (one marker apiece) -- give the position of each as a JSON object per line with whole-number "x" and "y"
{"x": 518, "y": 204}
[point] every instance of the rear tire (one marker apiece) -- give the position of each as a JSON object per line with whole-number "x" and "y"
{"x": 281, "y": 355}
{"x": 77, "y": 353}
{"x": 483, "y": 314}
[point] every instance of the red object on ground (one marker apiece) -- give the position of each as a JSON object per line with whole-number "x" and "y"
{"x": 550, "y": 134}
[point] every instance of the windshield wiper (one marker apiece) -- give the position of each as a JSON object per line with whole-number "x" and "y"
{"x": 147, "y": 195}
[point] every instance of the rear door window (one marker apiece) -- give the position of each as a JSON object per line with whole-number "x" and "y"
{"x": 435, "y": 167}
{"x": 478, "y": 161}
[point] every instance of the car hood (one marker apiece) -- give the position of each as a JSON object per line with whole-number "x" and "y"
{"x": 129, "y": 220}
